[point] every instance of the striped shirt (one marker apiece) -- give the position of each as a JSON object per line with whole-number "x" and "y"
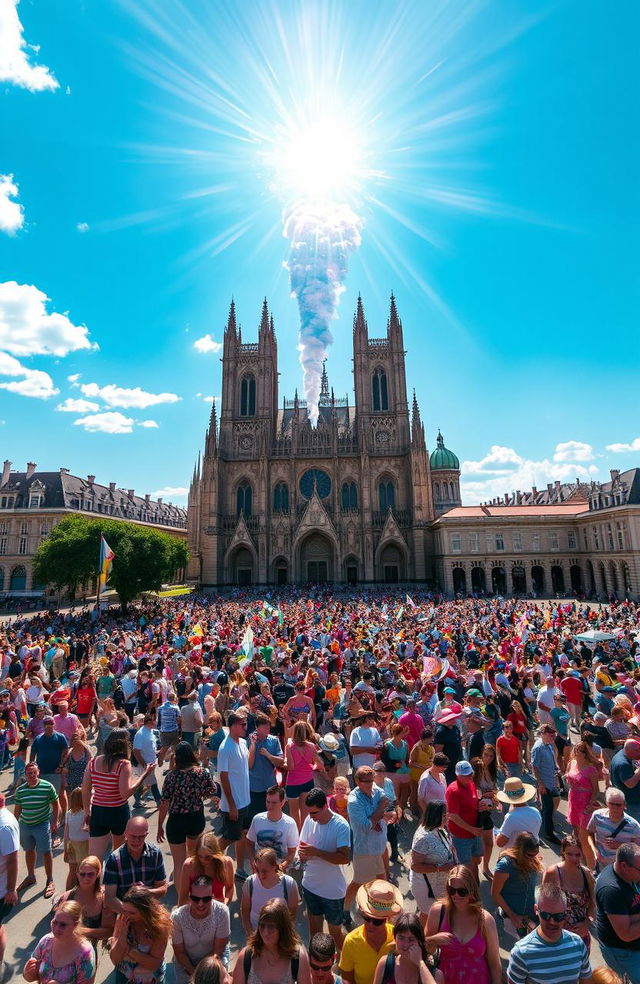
{"x": 106, "y": 785}
{"x": 35, "y": 802}
{"x": 534, "y": 961}
{"x": 168, "y": 717}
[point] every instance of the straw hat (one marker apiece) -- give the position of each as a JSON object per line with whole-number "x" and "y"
{"x": 516, "y": 791}
{"x": 329, "y": 742}
{"x": 379, "y": 899}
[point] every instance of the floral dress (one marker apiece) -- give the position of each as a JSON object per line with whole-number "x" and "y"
{"x": 80, "y": 971}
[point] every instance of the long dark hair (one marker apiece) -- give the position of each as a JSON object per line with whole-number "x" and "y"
{"x": 185, "y": 756}
{"x": 117, "y": 746}
{"x": 433, "y": 815}
{"x": 408, "y": 922}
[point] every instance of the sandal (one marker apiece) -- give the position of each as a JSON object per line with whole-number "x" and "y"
{"x": 25, "y": 883}
{"x": 49, "y": 890}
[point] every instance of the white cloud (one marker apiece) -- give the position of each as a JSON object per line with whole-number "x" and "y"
{"x": 77, "y": 406}
{"x": 109, "y": 422}
{"x": 499, "y": 461}
{"x": 207, "y": 344}
{"x": 625, "y": 448}
{"x": 73, "y": 378}
{"x": 117, "y": 396}
{"x": 573, "y": 451}
{"x": 83, "y": 226}
{"x": 33, "y": 382}
{"x": 147, "y": 423}
{"x": 15, "y": 53}
{"x": 27, "y": 329}
{"x": 11, "y": 213}
{"x": 504, "y": 470}
{"x": 170, "y": 492}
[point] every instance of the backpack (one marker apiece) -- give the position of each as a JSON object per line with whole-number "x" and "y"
{"x": 248, "y": 956}
{"x": 285, "y": 889}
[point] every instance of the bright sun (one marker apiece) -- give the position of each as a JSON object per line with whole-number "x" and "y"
{"x": 317, "y": 161}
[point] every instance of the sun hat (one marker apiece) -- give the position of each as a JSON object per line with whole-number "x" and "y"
{"x": 329, "y": 742}
{"x": 379, "y": 899}
{"x": 464, "y": 768}
{"x": 449, "y": 716}
{"x": 516, "y": 791}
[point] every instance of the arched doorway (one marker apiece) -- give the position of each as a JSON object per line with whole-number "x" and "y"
{"x": 18, "y": 580}
{"x": 557, "y": 579}
{"x": 537, "y": 580}
{"x": 280, "y": 571}
{"x": 499, "y": 580}
{"x": 316, "y": 559}
{"x": 459, "y": 581}
{"x": 391, "y": 564}
{"x": 351, "y": 570}
{"x": 519, "y": 580}
{"x": 242, "y": 571}
{"x": 575, "y": 575}
{"x": 478, "y": 580}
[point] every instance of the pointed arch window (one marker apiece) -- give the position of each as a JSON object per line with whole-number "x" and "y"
{"x": 281, "y": 498}
{"x": 386, "y": 495}
{"x": 244, "y": 499}
{"x": 349, "y": 497}
{"x": 247, "y": 396}
{"x": 380, "y": 390}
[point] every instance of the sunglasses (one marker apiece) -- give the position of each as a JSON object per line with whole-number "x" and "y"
{"x": 325, "y": 967}
{"x": 200, "y": 899}
{"x": 462, "y": 892}
{"x": 366, "y": 780}
{"x": 556, "y": 917}
{"x": 372, "y": 921}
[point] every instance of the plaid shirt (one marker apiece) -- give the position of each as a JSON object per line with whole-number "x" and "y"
{"x": 123, "y": 871}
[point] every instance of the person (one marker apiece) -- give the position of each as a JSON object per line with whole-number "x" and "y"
{"x": 577, "y": 883}
{"x": 207, "y": 858}
{"x": 420, "y": 759}
{"x": 465, "y": 933}
{"x": 463, "y": 817}
{"x": 339, "y": 798}
{"x": 447, "y": 740}
{"x": 545, "y": 769}
{"x": 365, "y": 741}
{"x": 274, "y": 953}
{"x": 485, "y": 777}
{"x": 514, "y": 884}
{"x": 140, "y": 937}
{"x": 433, "y": 783}
{"x": 509, "y": 749}
{"x": 522, "y": 816}
{"x": 216, "y": 735}
{"x": 572, "y": 689}
{"x": 86, "y": 698}
{"x": 395, "y": 755}
{"x": 322, "y": 956}
{"x": 145, "y": 753}
{"x": 88, "y": 891}
{"x": 367, "y": 807}
{"x": 64, "y": 722}
{"x": 192, "y": 721}
{"x": 584, "y": 793}
{"x": 9, "y": 846}
{"x": 199, "y": 929}
{"x": 265, "y": 756}
{"x": 64, "y": 954}
{"x": 618, "y": 912}
{"x": 211, "y": 970}
{"x": 432, "y": 858}
{"x": 275, "y": 829}
{"x": 560, "y": 719}
{"x": 76, "y": 836}
{"x": 185, "y": 789}
{"x": 48, "y": 751}
{"x": 37, "y": 810}
{"x": 267, "y": 882}
{"x": 379, "y": 903}
{"x": 169, "y": 722}
{"x": 106, "y": 788}
{"x": 549, "y": 953}
{"x": 394, "y": 815}
{"x": 625, "y": 775}
{"x": 233, "y": 770}
{"x": 76, "y": 760}
{"x": 407, "y": 962}
{"x": 134, "y": 863}
{"x": 611, "y": 826}
{"x": 301, "y": 756}
{"x": 324, "y": 850}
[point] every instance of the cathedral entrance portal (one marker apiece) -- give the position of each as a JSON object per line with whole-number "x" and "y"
{"x": 242, "y": 567}
{"x": 316, "y": 559}
{"x": 392, "y": 564}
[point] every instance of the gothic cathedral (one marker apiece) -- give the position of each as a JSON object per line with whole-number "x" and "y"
{"x": 276, "y": 500}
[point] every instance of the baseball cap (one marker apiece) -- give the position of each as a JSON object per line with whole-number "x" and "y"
{"x": 464, "y": 769}
{"x": 474, "y": 692}
{"x": 449, "y": 690}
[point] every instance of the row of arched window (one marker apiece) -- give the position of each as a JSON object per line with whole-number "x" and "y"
{"x": 446, "y": 491}
{"x": 379, "y": 393}
{"x": 348, "y": 497}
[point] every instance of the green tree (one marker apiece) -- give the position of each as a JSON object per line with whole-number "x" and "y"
{"x": 145, "y": 558}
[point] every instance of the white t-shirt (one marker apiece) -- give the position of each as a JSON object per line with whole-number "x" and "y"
{"x": 519, "y": 820}
{"x": 145, "y": 743}
{"x": 321, "y": 877}
{"x": 75, "y": 824}
{"x": 546, "y": 695}
{"x": 233, "y": 758}
{"x": 362, "y": 737}
{"x": 9, "y": 843}
{"x": 278, "y": 834}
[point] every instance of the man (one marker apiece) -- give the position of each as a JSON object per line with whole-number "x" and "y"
{"x": 545, "y": 769}
{"x": 322, "y": 956}
{"x": 135, "y": 863}
{"x": 199, "y": 929}
{"x": 37, "y": 809}
{"x": 625, "y": 775}
{"x": 145, "y": 752}
{"x": 366, "y": 806}
{"x": 571, "y": 687}
{"x": 324, "y": 850}
{"x": 462, "y": 809}
{"x": 474, "y": 724}
{"x": 265, "y": 756}
{"x": 545, "y": 700}
{"x": 379, "y": 904}
{"x": 274, "y": 829}
{"x": 65, "y": 723}
{"x": 447, "y": 740}
{"x": 365, "y": 741}
{"x": 9, "y": 844}
{"x": 618, "y": 912}
{"x": 233, "y": 769}
{"x": 550, "y": 953}
{"x": 610, "y": 827}
{"x": 522, "y": 816}
{"x": 48, "y": 751}
{"x": 169, "y": 720}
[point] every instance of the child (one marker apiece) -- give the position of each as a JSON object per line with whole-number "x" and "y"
{"x": 338, "y": 801}
{"x": 604, "y": 975}
{"x": 76, "y": 837}
{"x": 19, "y": 764}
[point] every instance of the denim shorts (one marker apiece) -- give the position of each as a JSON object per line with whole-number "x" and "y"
{"x": 467, "y": 848}
{"x": 36, "y": 837}
{"x": 331, "y": 909}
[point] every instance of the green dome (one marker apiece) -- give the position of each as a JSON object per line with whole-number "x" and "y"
{"x": 442, "y": 459}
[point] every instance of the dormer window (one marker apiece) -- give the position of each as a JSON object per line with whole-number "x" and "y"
{"x": 35, "y": 501}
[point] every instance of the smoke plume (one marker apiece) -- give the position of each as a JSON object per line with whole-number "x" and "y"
{"x": 321, "y": 236}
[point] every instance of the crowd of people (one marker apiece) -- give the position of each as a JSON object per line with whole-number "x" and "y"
{"x": 289, "y": 749}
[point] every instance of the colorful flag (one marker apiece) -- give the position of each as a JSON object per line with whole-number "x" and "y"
{"x": 106, "y": 559}
{"x": 246, "y": 647}
{"x": 411, "y": 602}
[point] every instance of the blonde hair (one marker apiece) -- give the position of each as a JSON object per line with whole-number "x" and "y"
{"x": 73, "y": 909}
{"x": 604, "y": 975}
{"x": 341, "y": 782}
{"x": 463, "y": 874}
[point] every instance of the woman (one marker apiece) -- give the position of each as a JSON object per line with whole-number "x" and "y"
{"x": 485, "y": 772}
{"x": 36, "y": 693}
{"x": 207, "y": 859}
{"x": 561, "y": 721}
{"x": 76, "y": 760}
{"x": 584, "y": 792}
{"x": 420, "y": 759}
{"x": 514, "y": 883}
{"x": 520, "y": 723}
{"x": 432, "y": 858}
{"x": 395, "y": 755}
{"x": 88, "y": 892}
{"x": 433, "y": 784}
{"x": 464, "y": 932}
{"x": 107, "y": 718}
{"x": 216, "y": 736}
{"x": 35, "y": 728}
{"x": 210, "y": 970}
{"x": 274, "y": 953}
{"x": 578, "y": 884}
{"x": 183, "y": 794}
{"x": 140, "y": 938}
{"x": 65, "y": 955}
{"x": 86, "y": 698}
{"x": 301, "y": 755}
{"x": 106, "y": 788}
{"x": 299, "y": 704}
{"x": 617, "y": 726}
{"x": 407, "y": 963}
{"x": 267, "y": 883}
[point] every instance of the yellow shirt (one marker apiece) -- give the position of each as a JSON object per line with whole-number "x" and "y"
{"x": 359, "y": 958}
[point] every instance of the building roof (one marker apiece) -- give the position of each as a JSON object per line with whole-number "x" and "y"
{"x": 622, "y": 489}
{"x": 564, "y": 511}
{"x": 442, "y": 459}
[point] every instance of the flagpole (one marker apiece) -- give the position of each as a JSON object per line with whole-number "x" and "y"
{"x": 99, "y": 576}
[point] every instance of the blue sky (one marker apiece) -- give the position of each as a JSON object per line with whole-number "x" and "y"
{"x": 496, "y": 195}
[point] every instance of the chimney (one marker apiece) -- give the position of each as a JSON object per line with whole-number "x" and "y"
{"x": 112, "y": 486}
{"x": 615, "y": 473}
{"x": 31, "y": 467}
{"x": 6, "y": 471}
{"x": 518, "y": 496}
{"x": 534, "y": 491}
{"x": 557, "y": 483}
{"x": 64, "y": 471}
{"x": 159, "y": 501}
{"x": 91, "y": 479}
{"x": 549, "y": 486}
{"x": 131, "y": 493}
{"x": 147, "y": 498}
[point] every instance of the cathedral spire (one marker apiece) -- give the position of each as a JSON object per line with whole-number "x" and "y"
{"x": 211, "y": 442}
{"x": 394, "y": 325}
{"x": 231, "y": 320}
{"x": 324, "y": 385}
{"x": 264, "y": 319}
{"x": 359, "y": 321}
{"x": 417, "y": 427}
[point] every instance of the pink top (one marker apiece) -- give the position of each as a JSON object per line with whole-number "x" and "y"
{"x": 67, "y": 725}
{"x": 464, "y": 962}
{"x": 302, "y": 770}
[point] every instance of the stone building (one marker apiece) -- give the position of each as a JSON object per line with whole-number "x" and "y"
{"x": 33, "y": 502}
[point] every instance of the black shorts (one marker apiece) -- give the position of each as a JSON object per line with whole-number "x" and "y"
{"x": 183, "y": 825}
{"x": 5, "y": 909}
{"x": 108, "y": 820}
{"x": 232, "y": 830}
{"x": 257, "y": 804}
{"x": 485, "y": 820}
